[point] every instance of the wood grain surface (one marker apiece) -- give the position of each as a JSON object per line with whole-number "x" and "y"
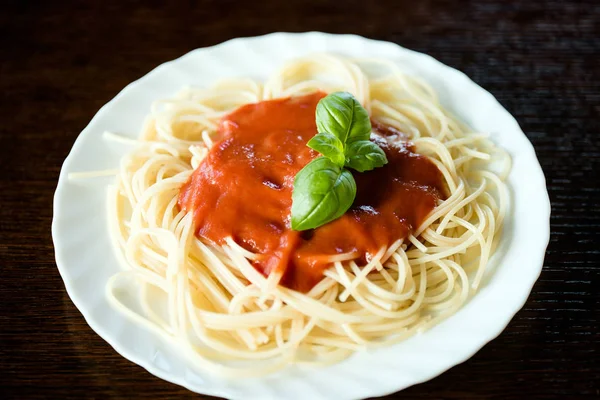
{"x": 61, "y": 61}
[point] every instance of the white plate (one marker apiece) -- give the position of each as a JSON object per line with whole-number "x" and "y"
{"x": 86, "y": 259}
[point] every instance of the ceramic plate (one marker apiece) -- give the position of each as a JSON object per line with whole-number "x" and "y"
{"x": 86, "y": 259}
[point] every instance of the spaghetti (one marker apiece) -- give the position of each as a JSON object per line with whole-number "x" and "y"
{"x": 211, "y": 300}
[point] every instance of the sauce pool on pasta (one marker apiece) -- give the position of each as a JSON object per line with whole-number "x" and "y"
{"x": 243, "y": 190}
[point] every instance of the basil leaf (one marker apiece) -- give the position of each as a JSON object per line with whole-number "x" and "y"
{"x": 323, "y": 191}
{"x": 364, "y": 155}
{"x": 342, "y": 115}
{"x": 330, "y": 146}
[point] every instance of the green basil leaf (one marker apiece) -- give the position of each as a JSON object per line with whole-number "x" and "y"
{"x": 364, "y": 155}
{"x": 330, "y": 146}
{"x": 342, "y": 115}
{"x": 323, "y": 191}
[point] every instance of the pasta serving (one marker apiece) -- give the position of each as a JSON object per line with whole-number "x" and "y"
{"x": 220, "y": 296}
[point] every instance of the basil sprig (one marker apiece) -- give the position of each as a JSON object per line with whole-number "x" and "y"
{"x": 325, "y": 189}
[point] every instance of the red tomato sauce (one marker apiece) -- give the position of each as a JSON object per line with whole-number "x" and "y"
{"x": 243, "y": 189}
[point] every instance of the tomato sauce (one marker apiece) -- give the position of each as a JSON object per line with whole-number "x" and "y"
{"x": 243, "y": 189}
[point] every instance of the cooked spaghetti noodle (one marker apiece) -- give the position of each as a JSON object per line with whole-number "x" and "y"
{"x": 213, "y": 302}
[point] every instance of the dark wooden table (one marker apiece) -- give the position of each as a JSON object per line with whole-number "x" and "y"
{"x": 61, "y": 61}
